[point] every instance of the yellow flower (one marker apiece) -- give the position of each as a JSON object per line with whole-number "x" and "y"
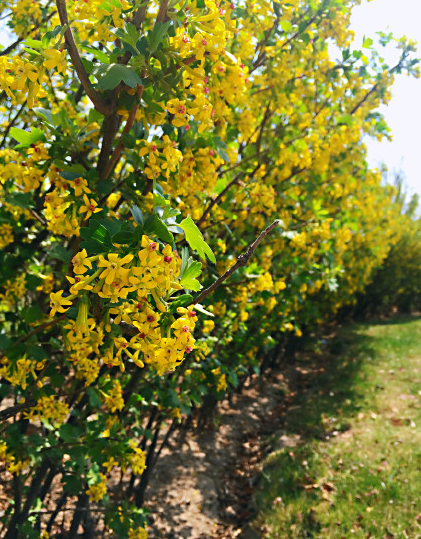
{"x": 151, "y": 149}
{"x": 90, "y": 207}
{"x": 55, "y": 60}
{"x": 113, "y": 267}
{"x": 57, "y": 302}
{"x": 79, "y": 261}
{"x": 23, "y": 70}
{"x": 80, "y": 185}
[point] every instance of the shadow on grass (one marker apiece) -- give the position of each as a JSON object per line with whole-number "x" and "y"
{"x": 329, "y": 384}
{"x": 400, "y": 318}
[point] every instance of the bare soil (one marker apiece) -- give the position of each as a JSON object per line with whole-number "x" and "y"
{"x": 203, "y": 483}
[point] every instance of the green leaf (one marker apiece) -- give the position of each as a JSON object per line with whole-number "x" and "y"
{"x": 23, "y": 200}
{"x": 104, "y": 187}
{"x": 97, "y": 234}
{"x": 71, "y": 484}
{"x": 192, "y": 270}
{"x": 130, "y": 35}
{"x": 32, "y": 313}
{"x": 181, "y": 301}
{"x": 116, "y": 73}
{"x": 170, "y": 212}
{"x": 286, "y": 26}
{"x": 99, "y": 55}
{"x": 124, "y": 237}
{"x": 32, "y": 281}
{"x": 35, "y": 44}
{"x": 190, "y": 284}
{"x": 97, "y": 238}
{"x": 129, "y": 140}
{"x": 5, "y": 342}
{"x": 143, "y": 46}
{"x": 26, "y": 139}
{"x": 38, "y": 353}
{"x": 59, "y": 252}
{"x": 159, "y": 201}
{"x": 367, "y": 42}
{"x": 113, "y": 225}
{"x": 156, "y": 36}
{"x": 94, "y": 399}
{"x": 184, "y": 260}
{"x": 137, "y": 215}
{"x": 155, "y": 226}
{"x": 68, "y": 433}
{"x": 195, "y": 239}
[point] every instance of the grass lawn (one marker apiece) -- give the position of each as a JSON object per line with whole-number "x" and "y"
{"x": 355, "y": 471}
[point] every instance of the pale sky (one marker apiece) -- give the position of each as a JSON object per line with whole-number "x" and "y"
{"x": 403, "y": 113}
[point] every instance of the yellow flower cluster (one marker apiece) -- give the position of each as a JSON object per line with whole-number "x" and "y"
{"x": 6, "y": 235}
{"x": 13, "y": 465}
{"x": 50, "y": 409}
{"x": 97, "y": 491}
{"x": 13, "y": 290}
{"x": 136, "y": 289}
{"x": 221, "y": 380}
{"x": 136, "y": 459}
{"x": 113, "y": 399}
{"x": 18, "y": 371}
{"x": 138, "y": 533}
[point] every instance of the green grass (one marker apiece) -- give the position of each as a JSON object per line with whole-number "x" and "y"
{"x": 353, "y": 469}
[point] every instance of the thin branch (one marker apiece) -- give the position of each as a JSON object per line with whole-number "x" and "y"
{"x": 374, "y": 88}
{"x": 14, "y": 410}
{"x": 93, "y": 95}
{"x": 236, "y": 165}
{"x": 119, "y": 148}
{"x": 139, "y": 16}
{"x": 219, "y": 197}
{"x": 12, "y": 123}
{"x": 242, "y": 260}
{"x": 162, "y": 13}
{"x": 266, "y": 117}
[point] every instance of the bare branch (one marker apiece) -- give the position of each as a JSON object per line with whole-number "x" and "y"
{"x": 14, "y": 410}
{"x": 219, "y": 197}
{"x": 242, "y": 260}
{"x": 162, "y": 13}
{"x": 93, "y": 95}
{"x": 119, "y": 148}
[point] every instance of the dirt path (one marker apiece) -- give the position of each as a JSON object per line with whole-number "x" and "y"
{"x": 202, "y": 486}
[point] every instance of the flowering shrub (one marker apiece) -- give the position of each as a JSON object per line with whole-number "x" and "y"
{"x": 148, "y": 149}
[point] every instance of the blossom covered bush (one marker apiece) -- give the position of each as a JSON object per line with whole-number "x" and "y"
{"x": 183, "y": 187}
